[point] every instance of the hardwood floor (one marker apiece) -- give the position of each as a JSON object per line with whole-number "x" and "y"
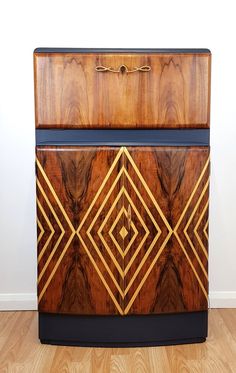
{"x": 20, "y": 351}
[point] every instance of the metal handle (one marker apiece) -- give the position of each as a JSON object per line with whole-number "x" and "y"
{"x": 123, "y": 69}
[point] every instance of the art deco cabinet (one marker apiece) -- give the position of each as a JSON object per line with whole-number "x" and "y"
{"x": 122, "y": 165}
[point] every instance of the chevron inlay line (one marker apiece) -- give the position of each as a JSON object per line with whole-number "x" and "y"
{"x": 197, "y": 226}
{"x": 60, "y": 237}
{"x": 117, "y": 231}
{"x": 188, "y": 223}
{"x": 205, "y": 229}
{"x": 41, "y": 231}
{"x": 124, "y": 272}
{"x": 101, "y": 236}
{"x": 50, "y": 227}
{"x": 61, "y": 227}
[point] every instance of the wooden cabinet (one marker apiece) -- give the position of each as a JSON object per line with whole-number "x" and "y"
{"x": 122, "y": 218}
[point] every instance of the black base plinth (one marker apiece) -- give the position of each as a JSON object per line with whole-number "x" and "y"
{"x": 123, "y": 331}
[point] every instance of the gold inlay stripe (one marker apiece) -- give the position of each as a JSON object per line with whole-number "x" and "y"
{"x": 139, "y": 287}
{"x": 94, "y": 243}
{"x": 196, "y": 229}
{"x": 104, "y": 202}
{"x": 55, "y": 196}
{"x": 41, "y": 231}
{"x": 105, "y": 264}
{"x": 133, "y": 236}
{"x": 191, "y": 265}
{"x": 119, "y": 154}
{"x": 123, "y": 172}
{"x": 59, "y": 238}
{"x": 55, "y": 267}
{"x": 192, "y": 194}
{"x": 127, "y": 267}
{"x": 189, "y": 222}
{"x": 113, "y": 227}
{"x": 142, "y": 201}
{"x": 68, "y": 222}
{"x": 180, "y": 220}
{"x": 120, "y": 270}
{"x": 73, "y": 233}
{"x": 205, "y": 230}
{"x": 101, "y": 276}
{"x": 147, "y": 188}
{"x": 50, "y": 227}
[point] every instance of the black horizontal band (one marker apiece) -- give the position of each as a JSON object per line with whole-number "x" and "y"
{"x": 161, "y": 137}
{"x": 121, "y": 50}
{"x": 123, "y": 331}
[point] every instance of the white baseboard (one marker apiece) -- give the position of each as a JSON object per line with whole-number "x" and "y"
{"x": 28, "y": 301}
{"x": 222, "y": 299}
{"x": 18, "y": 301}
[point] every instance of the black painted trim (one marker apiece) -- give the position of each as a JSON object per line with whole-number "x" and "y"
{"x": 95, "y": 137}
{"x": 124, "y": 345}
{"x": 123, "y": 331}
{"x": 122, "y": 50}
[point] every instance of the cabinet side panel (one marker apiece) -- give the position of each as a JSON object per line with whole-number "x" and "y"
{"x": 166, "y": 268}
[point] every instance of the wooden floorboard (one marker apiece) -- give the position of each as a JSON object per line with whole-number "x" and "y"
{"x": 20, "y": 351}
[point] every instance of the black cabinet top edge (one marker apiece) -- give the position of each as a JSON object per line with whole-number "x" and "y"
{"x": 122, "y": 50}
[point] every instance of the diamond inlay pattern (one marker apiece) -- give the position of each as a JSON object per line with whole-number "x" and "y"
{"x": 123, "y": 232}
{"x": 125, "y": 227}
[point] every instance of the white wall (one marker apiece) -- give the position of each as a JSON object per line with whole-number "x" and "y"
{"x": 25, "y": 25}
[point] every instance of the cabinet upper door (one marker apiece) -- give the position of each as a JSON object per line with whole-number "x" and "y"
{"x": 166, "y": 191}
{"x": 80, "y": 262}
{"x": 92, "y": 90}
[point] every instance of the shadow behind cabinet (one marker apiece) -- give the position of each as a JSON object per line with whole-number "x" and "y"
{"x": 122, "y": 164}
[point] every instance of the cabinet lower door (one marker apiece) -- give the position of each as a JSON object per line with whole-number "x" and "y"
{"x": 166, "y": 193}
{"x": 122, "y": 230}
{"x": 80, "y": 252}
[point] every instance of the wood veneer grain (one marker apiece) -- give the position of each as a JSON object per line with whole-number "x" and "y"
{"x": 70, "y": 93}
{"x": 170, "y": 176}
{"x": 75, "y": 174}
{"x": 124, "y": 229}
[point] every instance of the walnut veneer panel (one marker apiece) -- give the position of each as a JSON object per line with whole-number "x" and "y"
{"x": 168, "y": 263}
{"x": 70, "y": 93}
{"x": 122, "y": 230}
{"x": 77, "y": 273}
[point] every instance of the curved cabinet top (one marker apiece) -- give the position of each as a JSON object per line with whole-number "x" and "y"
{"x": 76, "y": 88}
